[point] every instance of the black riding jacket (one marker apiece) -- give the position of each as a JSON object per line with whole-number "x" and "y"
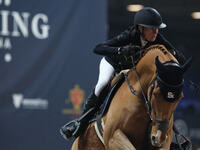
{"x": 130, "y": 37}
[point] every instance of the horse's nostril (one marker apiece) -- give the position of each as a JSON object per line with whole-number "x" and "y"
{"x": 153, "y": 138}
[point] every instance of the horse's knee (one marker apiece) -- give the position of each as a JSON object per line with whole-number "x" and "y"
{"x": 118, "y": 133}
{"x": 114, "y": 141}
{"x": 119, "y": 141}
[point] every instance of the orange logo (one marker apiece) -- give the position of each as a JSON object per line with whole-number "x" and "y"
{"x": 76, "y": 97}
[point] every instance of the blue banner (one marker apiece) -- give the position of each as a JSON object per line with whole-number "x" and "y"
{"x": 47, "y": 68}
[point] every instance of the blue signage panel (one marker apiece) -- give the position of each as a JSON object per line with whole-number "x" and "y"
{"x": 47, "y": 68}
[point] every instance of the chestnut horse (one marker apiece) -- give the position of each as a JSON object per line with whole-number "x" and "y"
{"x": 141, "y": 122}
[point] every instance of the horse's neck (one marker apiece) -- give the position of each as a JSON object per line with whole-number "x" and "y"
{"x": 146, "y": 67}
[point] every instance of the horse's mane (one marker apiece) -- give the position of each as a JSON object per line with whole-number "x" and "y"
{"x": 155, "y": 47}
{"x": 146, "y": 67}
{"x": 156, "y": 50}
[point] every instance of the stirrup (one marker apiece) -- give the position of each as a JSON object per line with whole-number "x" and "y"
{"x": 75, "y": 123}
{"x": 78, "y": 123}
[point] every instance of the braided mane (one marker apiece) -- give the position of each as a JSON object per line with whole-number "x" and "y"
{"x": 157, "y": 46}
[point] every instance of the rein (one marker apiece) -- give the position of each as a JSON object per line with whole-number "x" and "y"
{"x": 163, "y": 125}
{"x": 133, "y": 91}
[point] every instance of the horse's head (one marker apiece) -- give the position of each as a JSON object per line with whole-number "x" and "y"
{"x": 164, "y": 94}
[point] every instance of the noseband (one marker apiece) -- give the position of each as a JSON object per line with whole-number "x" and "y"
{"x": 163, "y": 125}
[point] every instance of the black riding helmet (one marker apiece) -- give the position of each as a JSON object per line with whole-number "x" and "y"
{"x": 149, "y": 17}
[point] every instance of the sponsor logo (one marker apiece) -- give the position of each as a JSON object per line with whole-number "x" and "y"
{"x": 17, "y": 24}
{"x": 170, "y": 95}
{"x": 76, "y": 97}
{"x": 5, "y": 2}
{"x": 29, "y": 103}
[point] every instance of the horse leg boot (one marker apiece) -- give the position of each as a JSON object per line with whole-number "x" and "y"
{"x": 77, "y": 127}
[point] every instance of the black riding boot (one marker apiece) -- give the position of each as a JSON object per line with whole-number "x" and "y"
{"x": 76, "y": 127}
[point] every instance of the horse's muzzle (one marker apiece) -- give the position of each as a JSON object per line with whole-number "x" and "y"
{"x": 156, "y": 139}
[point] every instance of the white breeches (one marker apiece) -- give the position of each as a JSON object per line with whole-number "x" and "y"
{"x": 106, "y": 73}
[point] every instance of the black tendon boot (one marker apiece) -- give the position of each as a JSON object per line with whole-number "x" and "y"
{"x": 76, "y": 127}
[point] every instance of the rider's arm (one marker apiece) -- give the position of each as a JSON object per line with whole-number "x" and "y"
{"x": 112, "y": 46}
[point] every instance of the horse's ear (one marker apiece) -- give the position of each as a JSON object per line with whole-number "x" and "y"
{"x": 186, "y": 65}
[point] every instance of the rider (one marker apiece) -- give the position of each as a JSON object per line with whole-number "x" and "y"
{"x": 142, "y": 34}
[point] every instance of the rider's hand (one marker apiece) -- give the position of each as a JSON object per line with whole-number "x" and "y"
{"x": 128, "y": 50}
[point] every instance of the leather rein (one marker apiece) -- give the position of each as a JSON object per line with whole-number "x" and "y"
{"x": 163, "y": 125}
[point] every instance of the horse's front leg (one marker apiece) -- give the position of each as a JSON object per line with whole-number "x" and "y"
{"x": 119, "y": 141}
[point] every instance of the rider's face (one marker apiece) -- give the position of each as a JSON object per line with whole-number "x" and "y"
{"x": 150, "y": 34}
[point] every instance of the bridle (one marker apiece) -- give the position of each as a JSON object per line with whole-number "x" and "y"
{"x": 163, "y": 125}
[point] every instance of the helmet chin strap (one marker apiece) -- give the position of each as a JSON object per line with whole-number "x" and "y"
{"x": 144, "y": 41}
{"x": 142, "y": 34}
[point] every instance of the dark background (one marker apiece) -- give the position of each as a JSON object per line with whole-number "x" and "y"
{"x": 48, "y": 71}
{"x": 182, "y": 31}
